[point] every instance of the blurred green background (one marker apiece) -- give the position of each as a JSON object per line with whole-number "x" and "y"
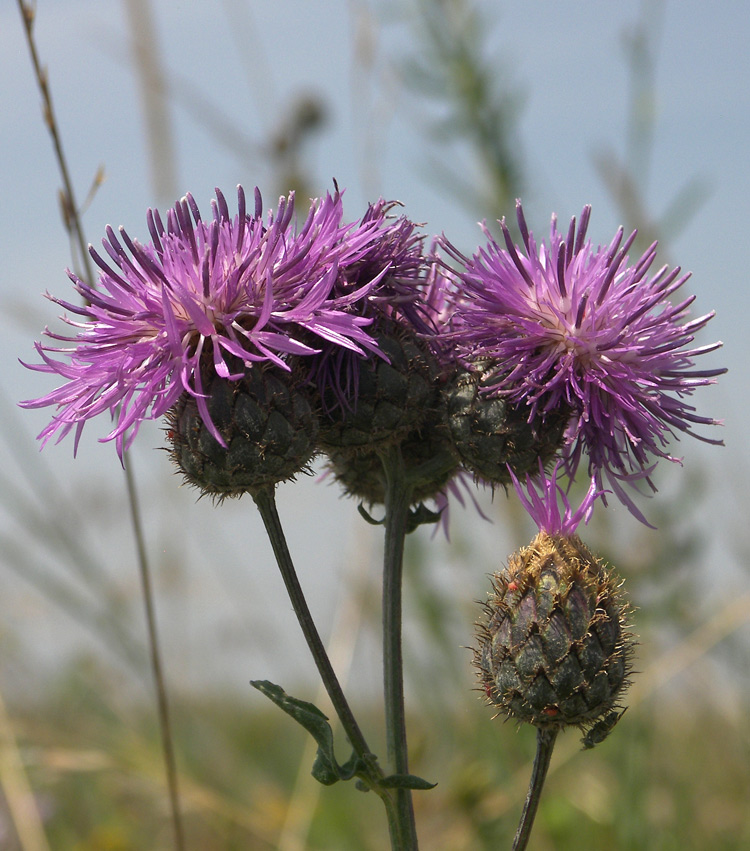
{"x": 455, "y": 107}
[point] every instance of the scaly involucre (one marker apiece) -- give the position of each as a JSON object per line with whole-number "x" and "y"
{"x": 229, "y": 292}
{"x": 570, "y": 324}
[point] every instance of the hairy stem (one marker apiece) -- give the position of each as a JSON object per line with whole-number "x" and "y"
{"x": 398, "y": 495}
{"x": 545, "y": 743}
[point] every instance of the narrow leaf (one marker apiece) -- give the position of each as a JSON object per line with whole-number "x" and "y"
{"x": 325, "y": 768}
{"x": 406, "y": 781}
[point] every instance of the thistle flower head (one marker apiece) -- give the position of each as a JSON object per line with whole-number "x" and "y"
{"x": 385, "y": 254}
{"x": 384, "y": 258}
{"x": 232, "y": 291}
{"x": 567, "y": 324}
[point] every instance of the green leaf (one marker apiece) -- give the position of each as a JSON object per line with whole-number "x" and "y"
{"x": 406, "y": 781}
{"x": 305, "y": 713}
{"x": 325, "y": 768}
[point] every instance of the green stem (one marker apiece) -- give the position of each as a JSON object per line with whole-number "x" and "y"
{"x": 545, "y": 743}
{"x": 398, "y": 493}
{"x": 266, "y": 503}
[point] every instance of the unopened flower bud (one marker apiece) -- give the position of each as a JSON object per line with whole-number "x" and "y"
{"x": 554, "y": 649}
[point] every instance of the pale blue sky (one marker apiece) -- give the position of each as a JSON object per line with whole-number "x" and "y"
{"x": 566, "y": 59}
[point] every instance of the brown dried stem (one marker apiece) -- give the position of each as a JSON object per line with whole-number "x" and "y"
{"x": 73, "y": 224}
{"x": 71, "y": 215}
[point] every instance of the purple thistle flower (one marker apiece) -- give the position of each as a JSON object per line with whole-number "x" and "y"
{"x": 569, "y": 324}
{"x": 543, "y": 505}
{"x": 230, "y": 292}
{"x": 387, "y": 253}
{"x": 384, "y": 254}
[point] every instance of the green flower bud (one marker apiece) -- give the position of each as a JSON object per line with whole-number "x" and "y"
{"x": 554, "y": 649}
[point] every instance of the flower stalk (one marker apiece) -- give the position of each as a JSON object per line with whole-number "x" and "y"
{"x": 545, "y": 743}
{"x": 398, "y": 495}
{"x": 266, "y": 502}
{"x": 165, "y": 726}
{"x": 397, "y": 801}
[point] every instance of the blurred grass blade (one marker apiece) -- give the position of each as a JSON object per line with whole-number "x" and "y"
{"x": 17, "y": 789}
